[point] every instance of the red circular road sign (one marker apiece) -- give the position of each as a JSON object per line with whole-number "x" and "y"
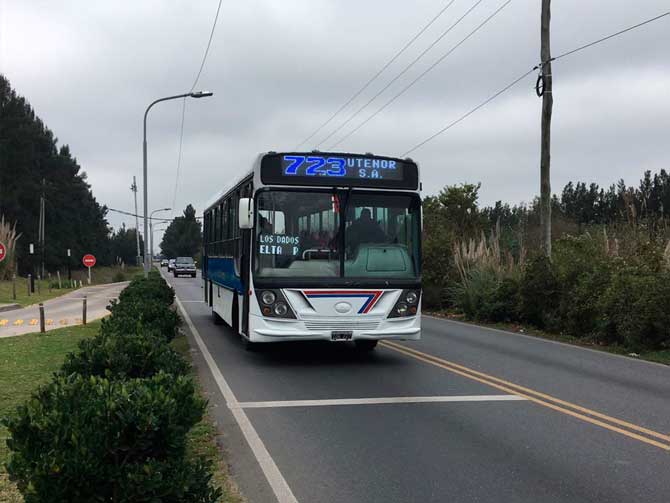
{"x": 3, "y": 252}
{"x": 88, "y": 260}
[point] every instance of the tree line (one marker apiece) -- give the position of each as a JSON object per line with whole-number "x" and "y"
{"x": 34, "y": 165}
{"x": 608, "y": 279}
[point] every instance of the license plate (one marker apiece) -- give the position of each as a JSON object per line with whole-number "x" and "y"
{"x": 341, "y": 335}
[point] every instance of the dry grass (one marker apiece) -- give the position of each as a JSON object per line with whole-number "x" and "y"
{"x": 8, "y": 237}
{"x": 486, "y": 254}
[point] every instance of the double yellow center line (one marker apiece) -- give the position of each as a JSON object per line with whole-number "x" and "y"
{"x": 630, "y": 430}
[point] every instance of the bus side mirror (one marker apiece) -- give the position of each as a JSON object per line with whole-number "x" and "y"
{"x": 246, "y": 213}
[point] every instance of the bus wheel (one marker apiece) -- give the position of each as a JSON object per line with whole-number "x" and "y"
{"x": 217, "y": 319}
{"x": 365, "y": 345}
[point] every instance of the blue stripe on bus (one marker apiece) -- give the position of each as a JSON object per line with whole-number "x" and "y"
{"x": 222, "y": 272}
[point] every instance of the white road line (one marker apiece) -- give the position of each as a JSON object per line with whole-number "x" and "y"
{"x": 274, "y": 477}
{"x": 377, "y": 401}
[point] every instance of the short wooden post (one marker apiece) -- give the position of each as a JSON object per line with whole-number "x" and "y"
{"x": 83, "y": 314}
{"x": 60, "y": 285}
{"x": 29, "y": 292}
{"x": 14, "y": 286}
{"x": 42, "y": 328}
{"x": 39, "y": 288}
{"x": 49, "y": 281}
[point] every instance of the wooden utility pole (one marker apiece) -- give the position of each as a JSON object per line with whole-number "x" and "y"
{"x": 547, "y": 105}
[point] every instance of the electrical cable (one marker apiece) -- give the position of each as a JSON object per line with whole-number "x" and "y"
{"x": 183, "y": 105}
{"x": 471, "y": 111}
{"x": 421, "y": 75}
{"x": 376, "y": 75}
{"x": 609, "y": 36}
{"x": 402, "y": 72}
{"x": 130, "y": 214}
{"x": 520, "y": 78}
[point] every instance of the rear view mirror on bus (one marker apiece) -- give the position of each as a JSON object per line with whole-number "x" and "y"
{"x": 246, "y": 213}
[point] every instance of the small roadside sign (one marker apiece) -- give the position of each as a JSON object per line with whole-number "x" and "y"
{"x": 89, "y": 261}
{"x": 3, "y": 252}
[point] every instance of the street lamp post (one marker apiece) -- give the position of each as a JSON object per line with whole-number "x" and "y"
{"x": 198, "y": 94}
{"x": 151, "y": 230}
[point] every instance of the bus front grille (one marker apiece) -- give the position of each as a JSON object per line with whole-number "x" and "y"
{"x": 325, "y": 325}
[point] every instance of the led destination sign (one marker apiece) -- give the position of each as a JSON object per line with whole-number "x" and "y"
{"x": 341, "y": 167}
{"x": 338, "y": 170}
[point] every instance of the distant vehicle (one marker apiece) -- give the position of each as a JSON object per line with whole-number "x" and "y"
{"x": 170, "y": 265}
{"x": 184, "y": 266}
{"x": 317, "y": 245}
{"x": 164, "y": 262}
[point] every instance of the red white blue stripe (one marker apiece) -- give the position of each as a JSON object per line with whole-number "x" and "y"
{"x": 371, "y": 296}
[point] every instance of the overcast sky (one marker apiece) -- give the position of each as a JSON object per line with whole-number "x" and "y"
{"x": 279, "y": 68}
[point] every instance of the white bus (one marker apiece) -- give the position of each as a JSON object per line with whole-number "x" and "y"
{"x": 317, "y": 246}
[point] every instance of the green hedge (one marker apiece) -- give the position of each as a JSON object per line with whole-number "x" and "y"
{"x": 582, "y": 291}
{"x": 113, "y": 423}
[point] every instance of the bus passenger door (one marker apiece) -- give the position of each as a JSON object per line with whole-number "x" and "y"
{"x": 245, "y": 264}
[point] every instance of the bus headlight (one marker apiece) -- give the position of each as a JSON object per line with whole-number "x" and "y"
{"x": 268, "y": 297}
{"x": 273, "y": 304}
{"x": 281, "y": 309}
{"x": 407, "y": 304}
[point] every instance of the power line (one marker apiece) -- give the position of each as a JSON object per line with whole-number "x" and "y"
{"x": 471, "y": 111}
{"x": 521, "y": 77}
{"x": 183, "y": 104}
{"x": 421, "y": 75}
{"x": 130, "y": 214}
{"x": 374, "y": 77}
{"x": 402, "y": 72}
{"x": 610, "y": 36}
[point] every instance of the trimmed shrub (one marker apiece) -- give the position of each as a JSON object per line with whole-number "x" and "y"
{"x": 154, "y": 287}
{"x": 119, "y": 356}
{"x": 91, "y": 439}
{"x": 131, "y": 316}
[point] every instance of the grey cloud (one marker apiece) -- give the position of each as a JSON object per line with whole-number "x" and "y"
{"x": 279, "y": 69}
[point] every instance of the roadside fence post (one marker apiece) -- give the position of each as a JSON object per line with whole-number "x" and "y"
{"x": 29, "y": 278}
{"x": 49, "y": 281}
{"x": 14, "y": 286}
{"x": 39, "y": 288}
{"x": 42, "y": 330}
{"x": 83, "y": 314}
{"x": 59, "y": 283}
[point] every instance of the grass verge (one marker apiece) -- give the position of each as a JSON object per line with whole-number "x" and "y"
{"x": 202, "y": 441}
{"x": 660, "y": 356}
{"x": 25, "y": 363}
{"x": 99, "y": 276}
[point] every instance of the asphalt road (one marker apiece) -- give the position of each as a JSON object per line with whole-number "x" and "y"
{"x": 508, "y": 418}
{"x": 62, "y": 311}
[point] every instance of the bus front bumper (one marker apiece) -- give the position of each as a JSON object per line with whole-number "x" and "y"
{"x": 268, "y": 330}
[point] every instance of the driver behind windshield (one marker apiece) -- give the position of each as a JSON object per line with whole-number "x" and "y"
{"x": 364, "y": 230}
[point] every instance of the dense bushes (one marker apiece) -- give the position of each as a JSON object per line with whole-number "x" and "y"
{"x": 112, "y": 424}
{"x": 587, "y": 290}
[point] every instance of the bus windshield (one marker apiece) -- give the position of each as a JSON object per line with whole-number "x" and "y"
{"x": 300, "y": 234}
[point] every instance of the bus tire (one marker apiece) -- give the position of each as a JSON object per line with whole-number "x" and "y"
{"x": 217, "y": 319}
{"x": 365, "y": 345}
